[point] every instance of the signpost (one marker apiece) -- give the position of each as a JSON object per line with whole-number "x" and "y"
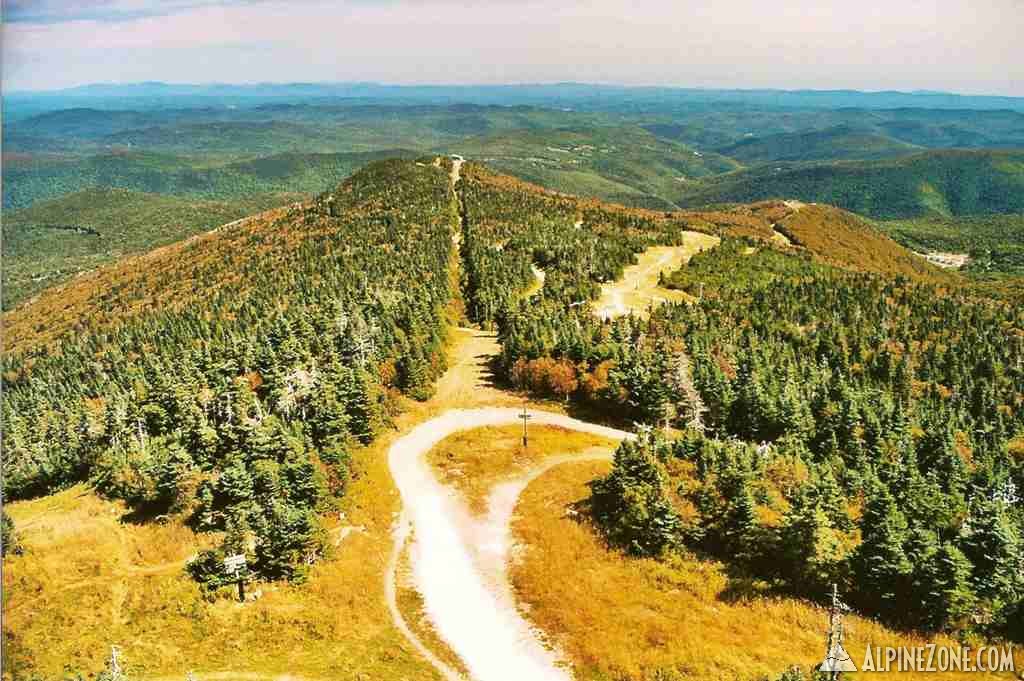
{"x": 525, "y": 417}
{"x": 235, "y": 567}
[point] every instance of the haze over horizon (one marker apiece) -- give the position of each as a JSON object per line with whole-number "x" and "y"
{"x": 918, "y": 45}
{"x": 468, "y": 85}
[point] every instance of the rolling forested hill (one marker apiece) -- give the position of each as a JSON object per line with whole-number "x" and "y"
{"x": 940, "y": 183}
{"x": 34, "y": 178}
{"x": 54, "y": 240}
{"x": 257, "y": 355}
{"x": 930, "y": 128}
{"x": 840, "y": 142}
{"x": 622, "y": 164}
{"x": 885, "y": 156}
{"x": 836, "y": 409}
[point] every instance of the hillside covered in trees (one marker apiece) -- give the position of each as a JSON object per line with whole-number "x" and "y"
{"x": 848, "y": 414}
{"x": 54, "y": 240}
{"x": 226, "y": 151}
{"x": 949, "y": 183}
{"x": 829, "y": 408}
{"x": 226, "y": 377}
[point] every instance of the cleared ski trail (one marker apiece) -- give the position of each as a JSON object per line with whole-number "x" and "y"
{"x": 638, "y": 289}
{"x": 459, "y": 563}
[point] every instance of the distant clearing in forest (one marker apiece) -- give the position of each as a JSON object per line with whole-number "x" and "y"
{"x": 639, "y": 286}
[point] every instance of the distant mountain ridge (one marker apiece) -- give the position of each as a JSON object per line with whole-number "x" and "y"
{"x": 944, "y": 183}
{"x": 546, "y": 93}
{"x": 834, "y": 143}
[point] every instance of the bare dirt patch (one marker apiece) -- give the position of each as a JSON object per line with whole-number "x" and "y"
{"x": 950, "y": 261}
{"x": 537, "y": 285}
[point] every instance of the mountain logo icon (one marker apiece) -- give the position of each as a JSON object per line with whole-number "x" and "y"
{"x": 838, "y": 660}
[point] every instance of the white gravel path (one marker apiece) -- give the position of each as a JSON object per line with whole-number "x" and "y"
{"x": 459, "y": 565}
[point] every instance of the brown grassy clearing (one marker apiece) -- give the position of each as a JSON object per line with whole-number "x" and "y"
{"x": 622, "y": 618}
{"x": 840, "y": 238}
{"x": 87, "y": 581}
{"x": 474, "y": 461}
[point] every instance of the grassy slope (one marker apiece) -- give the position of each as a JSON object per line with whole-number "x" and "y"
{"x": 37, "y": 254}
{"x": 840, "y": 238}
{"x": 949, "y": 183}
{"x": 87, "y": 581}
{"x": 828, "y": 234}
{"x": 623, "y": 618}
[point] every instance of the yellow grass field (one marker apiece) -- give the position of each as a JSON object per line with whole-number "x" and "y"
{"x": 474, "y": 461}
{"x": 622, "y": 618}
{"x": 87, "y": 581}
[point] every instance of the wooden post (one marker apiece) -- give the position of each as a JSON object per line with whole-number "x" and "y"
{"x": 115, "y": 663}
{"x": 235, "y": 567}
{"x": 525, "y": 417}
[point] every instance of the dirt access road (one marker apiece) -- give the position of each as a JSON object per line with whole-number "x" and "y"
{"x": 459, "y": 562}
{"x": 462, "y": 579}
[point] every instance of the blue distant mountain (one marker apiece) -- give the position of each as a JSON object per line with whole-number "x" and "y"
{"x": 581, "y": 95}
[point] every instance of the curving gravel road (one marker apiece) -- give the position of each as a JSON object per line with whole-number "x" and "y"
{"x": 458, "y": 564}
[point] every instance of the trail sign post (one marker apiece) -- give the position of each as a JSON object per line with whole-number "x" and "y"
{"x": 235, "y": 567}
{"x": 525, "y": 417}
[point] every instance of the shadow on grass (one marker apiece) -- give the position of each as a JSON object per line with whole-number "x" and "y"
{"x": 145, "y": 514}
{"x": 742, "y": 588}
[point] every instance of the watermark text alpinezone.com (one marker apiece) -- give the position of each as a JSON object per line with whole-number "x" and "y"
{"x": 935, "y": 658}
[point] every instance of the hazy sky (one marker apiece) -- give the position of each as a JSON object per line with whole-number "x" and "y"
{"x": 969, "y": 46}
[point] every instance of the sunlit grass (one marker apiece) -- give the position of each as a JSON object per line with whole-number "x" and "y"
{"x": 624, "y": 618}
{"x": 473, "y": 461}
